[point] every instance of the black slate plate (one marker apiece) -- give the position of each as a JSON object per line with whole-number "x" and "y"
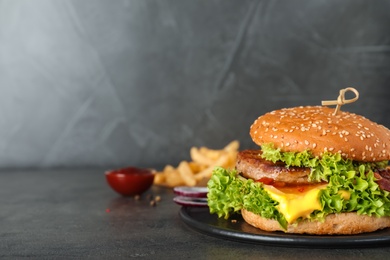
{"x": 235, "y": 228}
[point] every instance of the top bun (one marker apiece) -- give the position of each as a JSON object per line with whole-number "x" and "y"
{"x": 316, "y": 129}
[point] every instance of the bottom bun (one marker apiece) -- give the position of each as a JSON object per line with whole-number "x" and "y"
{"x": 334, "y": 224}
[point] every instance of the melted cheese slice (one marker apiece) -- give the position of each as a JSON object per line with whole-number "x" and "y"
{"x": 296, "y": 202}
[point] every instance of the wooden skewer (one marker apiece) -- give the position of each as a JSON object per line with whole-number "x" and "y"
{"x": 341, "y": 99}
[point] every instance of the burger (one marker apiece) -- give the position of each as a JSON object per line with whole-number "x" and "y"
{"x": 315, "y": 172}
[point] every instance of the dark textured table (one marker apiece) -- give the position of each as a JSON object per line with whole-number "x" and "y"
{"x": 74, "y": 214}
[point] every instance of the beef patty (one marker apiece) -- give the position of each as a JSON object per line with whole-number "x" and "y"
{"x": 250, "y": 165}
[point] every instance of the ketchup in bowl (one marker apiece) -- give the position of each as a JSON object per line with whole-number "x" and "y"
{"x": 130, "y": 181}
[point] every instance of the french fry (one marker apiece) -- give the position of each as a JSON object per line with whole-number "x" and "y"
{"x": 232, "y": 146}
{"x": 186, "y": 174}
{"x": 159, "y": 178}
{"x": 196, "y": 167}
{"x": 173, "y": 179}
{"x": 210, "y": 153}
{"x": 200, "y": 157}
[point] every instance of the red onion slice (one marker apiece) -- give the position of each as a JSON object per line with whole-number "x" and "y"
{"x": 190, "y": 201}
{"x": 194, "y": 192}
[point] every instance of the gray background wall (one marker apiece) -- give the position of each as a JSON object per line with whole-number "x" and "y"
{"x": 114, "y": 83}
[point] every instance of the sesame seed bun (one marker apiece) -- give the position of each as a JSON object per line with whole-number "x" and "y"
{"x": 316, "y": 129}
{"x": 334, "y": 224}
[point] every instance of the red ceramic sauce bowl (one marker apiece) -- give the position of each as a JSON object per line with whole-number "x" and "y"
{"x": 130, "y": 181}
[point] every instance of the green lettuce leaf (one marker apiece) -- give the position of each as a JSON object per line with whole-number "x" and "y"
{"x": 229, "y": 193}
{"x": 321, "y": 168}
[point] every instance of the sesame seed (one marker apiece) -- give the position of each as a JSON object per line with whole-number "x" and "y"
{"x": 306, "y": 142}
{"x": 314, "y": 145}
